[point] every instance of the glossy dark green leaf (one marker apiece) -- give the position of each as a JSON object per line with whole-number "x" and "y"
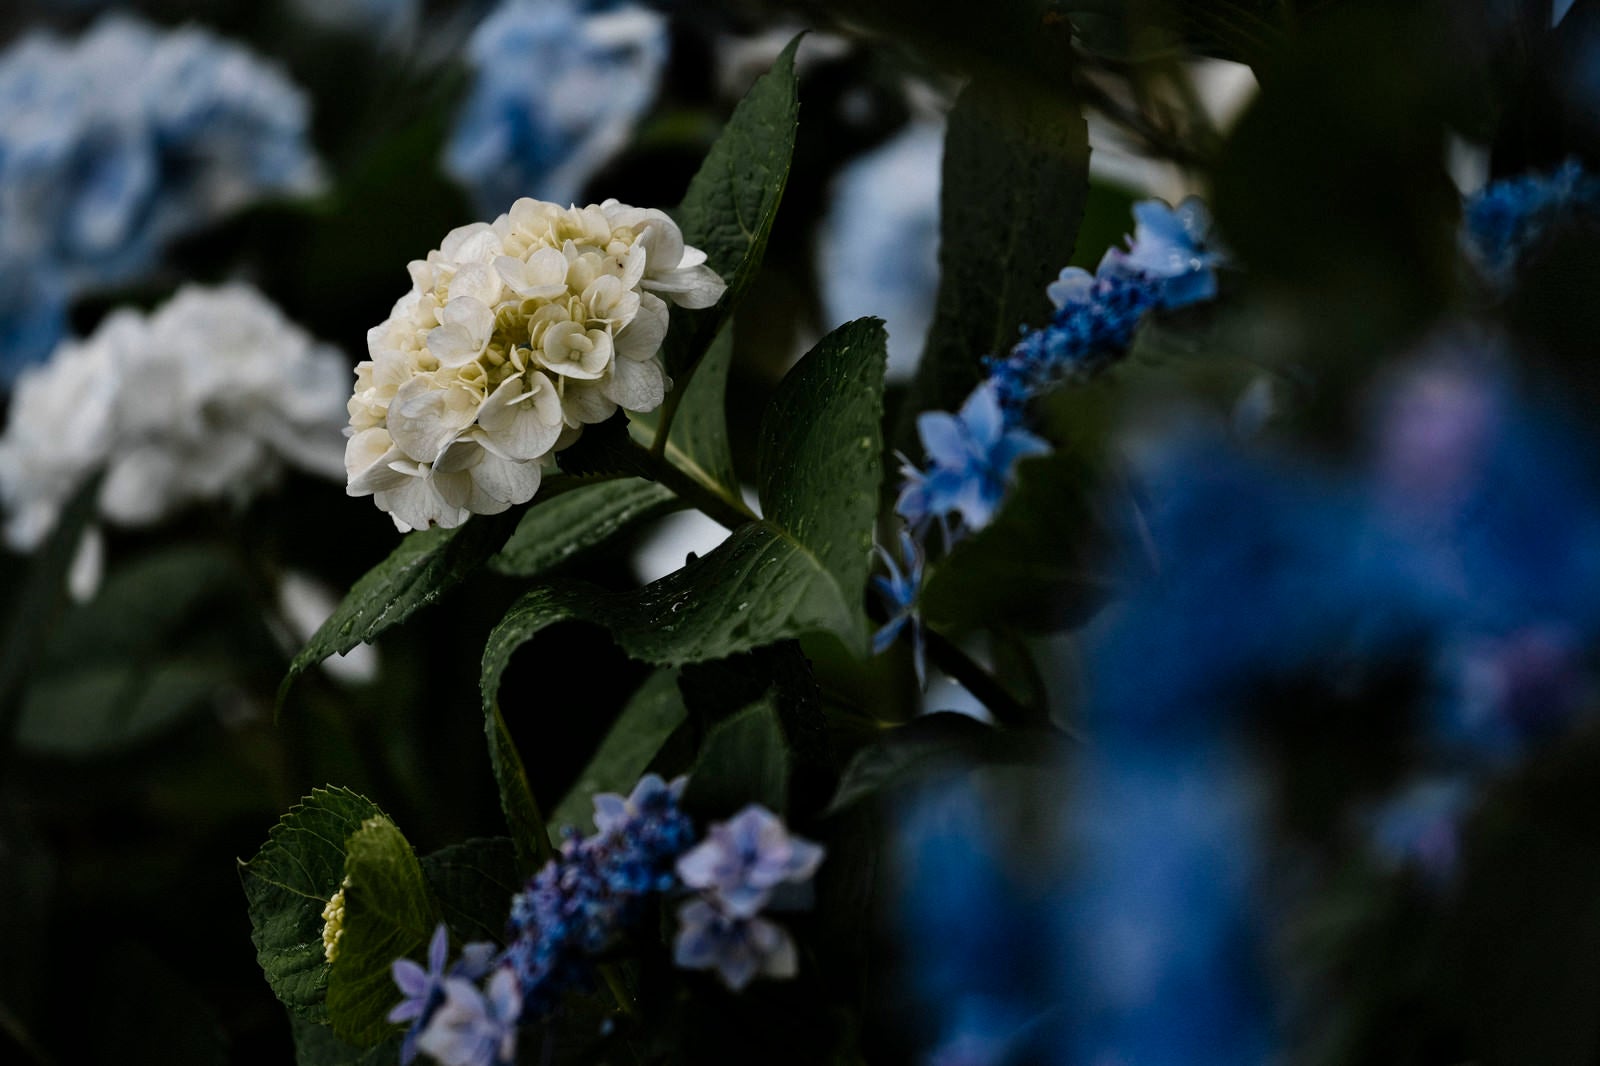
{"x": 1015, "y": 181}
{"x": 427, "y": 564}
{"x": 576, "y": 521}
{"x": 388, "y": 914}
{"x": 473, "y": 883}
{"x": 625, "y": 754}
{"x": 1030, "y": 568}
{"x": 744, "y": 760}
{"x": 316, "y": 1045}
{"x": 289, "y": 882}
{"x": 732, "y": 201}
{"x": 697, "y": 443}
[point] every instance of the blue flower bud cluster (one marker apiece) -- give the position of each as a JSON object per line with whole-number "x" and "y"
{"x": 118, "y": 142}
{"x": 1507, "y": 220}
{"x": 594, "y": 890}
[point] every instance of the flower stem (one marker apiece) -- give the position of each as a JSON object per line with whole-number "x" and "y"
{"x": 714, "y": 505}
{"x": 1007, "y": 710}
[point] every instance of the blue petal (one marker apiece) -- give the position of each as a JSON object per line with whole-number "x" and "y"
{"x": 944, "y": 438}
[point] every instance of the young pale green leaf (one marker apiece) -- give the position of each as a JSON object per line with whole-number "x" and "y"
{"x": 427, "y": 564}
{"x": 1019, "y": 572}
{"x": 388, "y": 914}
{"x": 1015, "y": 181}
{"x": 744, "y": 760}
{"x": 697, "y": 443}
{"x": 289, "y": 882}
{"x": 555, "y": 530}
{"x": 800, "y": 569}
{"x": 316, "y": 1045}
{"x": 474, "y": 882}
{"x": 624, "y": 755}
{"x": 732, "y": 200}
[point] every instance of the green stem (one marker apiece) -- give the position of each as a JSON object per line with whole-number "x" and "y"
{"x": 714, "y": 505}
{"x": 669, "y": 409}
{"x": 619, "y": 991}
{"x": 1007, "y": 710}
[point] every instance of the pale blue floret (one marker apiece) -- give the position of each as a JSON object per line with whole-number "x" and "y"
{"x": 899, "y": 590}
{"x": 424, "y": 989}
{"x": 116, "y": 143}
{"x": 972, "y": 457}
{"x": 559, "y": 86}
{"x": 1507, "y": 220}
{"x": 741, "y": 861}
{"x": 1171, "y": 246}
{"x": 473, "y": 1027}
{"x": 739, "y": 949}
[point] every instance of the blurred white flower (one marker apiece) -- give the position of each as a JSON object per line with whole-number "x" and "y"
{"x": 206, "y": 398}
{"x": 557, "y": 93}
{"x": 879, "y": 248}
{"x": 514, "y": 336}
{"x": 304, "y": 603}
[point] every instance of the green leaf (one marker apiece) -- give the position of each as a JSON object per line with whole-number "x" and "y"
{"x": 41, "y": 598}
{"x": 427, "y": 564}
{"x": 802, "y": 568}
{"x": 744, "y": 760}
{"x": 316, "y": 1045}
{"x": 289, "y": 882}
{"x": 160, "y": 640}
{"x": 388, "y": 914}
{"x": 1030, "y": 568}
{"x": 474, "y": 882}
{"x": 1015, "y": 182}
{"x": 625, "y": 754}
{"x": 555, "y": 530}
{"x": 728, "y": 211}
{"x": 697, "y": 444}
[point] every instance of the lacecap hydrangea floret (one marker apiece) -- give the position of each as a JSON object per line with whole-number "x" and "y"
{"x": 514, "y": 336}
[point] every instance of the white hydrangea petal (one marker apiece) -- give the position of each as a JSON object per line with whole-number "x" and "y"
{"x": 475, "y": 281}
{"x": 636, "y": 385}
{"x": 505, "y": 481}
{"x": 572, "y": 351}
{"x": 423, "y": 420}
{"x": 467, "y": 325}
{"x": 642, "y": 337}
{"x": 522, "y": 422}
{"x": 542, "y": 276}
{"x": 693, "y": 287}
{"x": 585, "y": 403}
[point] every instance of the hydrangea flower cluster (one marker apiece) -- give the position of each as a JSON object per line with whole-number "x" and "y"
{"x": 120, "y": 141}
{"x": 584, "y": 899}
{"x": 206, "y": 398}
{"x": 1506, "y": 220}
{"x": 735, "y": 871}
{"x": 515, "y": 335}
{"x": 426, "y": 991}
{"x": 1169, "y": 263}
{"x": 559, "y": 86}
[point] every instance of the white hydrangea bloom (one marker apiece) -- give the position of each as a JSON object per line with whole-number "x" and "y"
{"x": 514, "y": 336}
{"x": 205, "y": 398}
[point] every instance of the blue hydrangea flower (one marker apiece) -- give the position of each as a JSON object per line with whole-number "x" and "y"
{"x": 1092, "y": 328}
{"x": 1420, "y": 828}
{"x": 1508, "y": 219}
{"x": 742, "y": 860}
{"x": 118, "y": 142}
{"x": 1169, "y": 247}
{"x": 594, "y": 890}
{"x": 424, "y": 988}
{"x": 559, "y": 85}
{"x": 899, "y": 590}
{"x": 739, "y": 948}
{"x": 972, "y": 457}
{"x": 472, "y": 1027}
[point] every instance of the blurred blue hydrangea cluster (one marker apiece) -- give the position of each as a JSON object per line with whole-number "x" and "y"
{"x": 558, "y": 87}
{"x": 115, "y": 143}
{"x": 1507, "y": 220}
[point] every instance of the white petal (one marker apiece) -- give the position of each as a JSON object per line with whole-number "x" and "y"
{"x": 692, "y": 287}
{"x": 503, "y": 481}
{"x": 583, "y": 403}
{"x": 642, "y": 337}
{"x": 422, "y": 420}
{"x": 636, "y": 385}
{"x": 477, "y": 282}
{"x": 522, "y": 424}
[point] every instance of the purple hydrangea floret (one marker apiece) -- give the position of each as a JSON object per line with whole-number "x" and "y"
{"x": 742, "y": 860}
{"x": 424, "y": 988}
{"x": 473, "y": 1027}
{"x": 738, "y": 949}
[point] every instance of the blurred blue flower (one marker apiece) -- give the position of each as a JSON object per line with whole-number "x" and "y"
{"x": 594, "y": 890}
{"x": 742, "y": 860}
{"x": 559, "y": 86}
{"x": 1171, "y": 247}
{"x": 1420, "y": 828}
{"x": 1162, "y": 952}
{"x": 472, "y": 1027}
{"x": 424, "y": 988}
{"x": 900, "y": 590}
{"x": 972, "y": 458}
{"x": 33, "y": 316}
{"x": 1508, "y": 219}
{"x": 112, "y": 145}
{"x": 878, "y": 249}
{"x": 739, "y": 947}
{"x": 385, "y": 19}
